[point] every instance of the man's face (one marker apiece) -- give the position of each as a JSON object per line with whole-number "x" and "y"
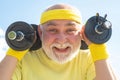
{"x": 61, "y": 40}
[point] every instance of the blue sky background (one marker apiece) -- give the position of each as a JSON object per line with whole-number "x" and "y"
{"x": 30, "y": 10}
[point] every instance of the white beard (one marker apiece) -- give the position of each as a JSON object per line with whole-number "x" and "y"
{"x": 60, "y": 58}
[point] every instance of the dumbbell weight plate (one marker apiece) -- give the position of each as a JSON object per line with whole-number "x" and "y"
{"x": 92, "y": 35}
{"x": 37, "y": 44}
{"x": 29, "y": 36}
{"x": 84, "y": 46}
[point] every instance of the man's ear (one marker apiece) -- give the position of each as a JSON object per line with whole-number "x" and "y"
{"x": 39, "y": 31}
{"x": 84, "y": 46}
{"x": 82, "y": 31}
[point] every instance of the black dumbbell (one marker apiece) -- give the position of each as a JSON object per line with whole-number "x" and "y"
{"x": 98, "y": 29}
{"x": 20, "y": 35}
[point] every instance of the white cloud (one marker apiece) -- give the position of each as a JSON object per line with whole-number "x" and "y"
{"x": 3, "y": 44}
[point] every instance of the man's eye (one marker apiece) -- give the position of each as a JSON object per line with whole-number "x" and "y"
{"x": 70, "y": 31}
{"x": 52, "y": 30}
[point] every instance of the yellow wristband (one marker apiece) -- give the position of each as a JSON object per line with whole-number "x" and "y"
{"x": 17, "y": 54}
{"x": 98, "y": 51}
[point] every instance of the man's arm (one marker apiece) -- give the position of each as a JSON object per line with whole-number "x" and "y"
{"x": 7, "y": 67}
{"x": 100, "y": 55}
{"x": 102, "y": 67}
{"x": 104, "y": 71}
{"x": 8, "y": 64}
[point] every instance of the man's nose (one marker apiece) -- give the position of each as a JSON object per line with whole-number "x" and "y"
{"x": 61, "y": 38}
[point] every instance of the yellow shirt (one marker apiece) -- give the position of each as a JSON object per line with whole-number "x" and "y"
{"x": 37, "y": 66}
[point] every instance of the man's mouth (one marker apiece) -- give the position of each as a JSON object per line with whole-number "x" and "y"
{"x": 61, "y": 50}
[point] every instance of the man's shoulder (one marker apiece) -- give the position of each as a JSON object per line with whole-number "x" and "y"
{"x": 84, "y": 54}
{"x": 33, "y": 53}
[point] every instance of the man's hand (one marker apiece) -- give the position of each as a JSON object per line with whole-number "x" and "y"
{"x": 88, "y": 42}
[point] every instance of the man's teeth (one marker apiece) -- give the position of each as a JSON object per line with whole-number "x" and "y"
{"x": 64, "y": 47}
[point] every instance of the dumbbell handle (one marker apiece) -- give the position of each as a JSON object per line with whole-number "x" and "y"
{"x": 18, "y": 36}
{"x": 100, "y": 28}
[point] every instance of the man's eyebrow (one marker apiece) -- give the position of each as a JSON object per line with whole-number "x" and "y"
{"x": 71, "y": 23}
{"x": 50, "y": 23}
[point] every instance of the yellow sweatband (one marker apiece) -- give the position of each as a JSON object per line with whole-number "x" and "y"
{"x": 98, "y": 51}
{"x": 60, "y": 14}
{"x": 17, "y": 54}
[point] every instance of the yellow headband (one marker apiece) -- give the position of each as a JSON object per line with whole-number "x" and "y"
{"x": 60, "y": 14}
